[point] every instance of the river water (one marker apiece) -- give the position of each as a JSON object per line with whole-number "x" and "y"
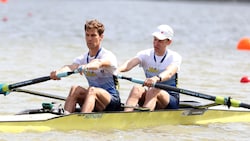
{"x": 37, "y": 37}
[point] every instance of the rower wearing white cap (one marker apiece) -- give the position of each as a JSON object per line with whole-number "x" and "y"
{"x": 160, "y": 64}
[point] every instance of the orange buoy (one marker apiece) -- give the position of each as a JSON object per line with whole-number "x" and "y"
{"x": 244, "y": 44}
{"x": 4, "y": 1}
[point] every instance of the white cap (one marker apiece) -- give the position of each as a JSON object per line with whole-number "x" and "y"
{"x": 164, "y": 32}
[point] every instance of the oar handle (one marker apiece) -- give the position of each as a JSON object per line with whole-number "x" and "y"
{"x": 65, "y": 74}
{"x": 217, "y": 99}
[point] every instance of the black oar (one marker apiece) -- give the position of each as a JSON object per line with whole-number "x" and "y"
{"x": 5, "y": 88}
{"x": 217, "y": 99}
{"x": 39, "y": 94}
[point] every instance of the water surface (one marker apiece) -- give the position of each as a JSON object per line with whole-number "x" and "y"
{"x": 41, "y": 36}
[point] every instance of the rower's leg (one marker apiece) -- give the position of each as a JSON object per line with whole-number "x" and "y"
{"x": 136, "y": 95}
{"x": 76, "y": 95}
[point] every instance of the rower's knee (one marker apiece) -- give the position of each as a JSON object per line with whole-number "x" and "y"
{"x": 75, "y": 90}
{"x": 137, "y": 91}
{"x": 92, "y": 91}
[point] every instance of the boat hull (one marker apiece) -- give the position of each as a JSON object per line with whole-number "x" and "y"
{"x": 120, "y": 120}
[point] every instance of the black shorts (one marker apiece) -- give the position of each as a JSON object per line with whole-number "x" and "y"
{"x": 115, "y": 103}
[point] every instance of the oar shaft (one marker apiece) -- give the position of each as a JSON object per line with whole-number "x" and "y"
{"x": 28, "y": 82}
{"x": 244, "y": 105}
{"x": 218, "y": 99}
{"x": 171, "y": 88}
{"x": 5, "y": 89}
{"x": 187, "y": 92}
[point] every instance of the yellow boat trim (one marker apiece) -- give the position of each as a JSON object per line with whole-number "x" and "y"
{"x": 120, "y": 120}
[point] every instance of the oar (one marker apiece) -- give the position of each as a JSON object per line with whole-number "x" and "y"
{"x": 245, "y": 79}
{"x": 39, "y": 94}
{"x": 217, "y": 99}
{"x": 5, "y": 88}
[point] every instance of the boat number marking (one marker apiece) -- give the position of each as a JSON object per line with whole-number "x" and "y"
{"x": 193, "y": 112}
{"x": 91, "y": 116}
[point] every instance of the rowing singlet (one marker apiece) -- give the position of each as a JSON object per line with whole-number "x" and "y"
{"x": 154, "y": 65}
{"x": 102, "y": 77}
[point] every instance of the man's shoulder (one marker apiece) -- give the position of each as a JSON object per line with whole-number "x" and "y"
{"x": 173, "y": 52}
{"x": 106, "y": 52}
{"x": 146, "y": 51}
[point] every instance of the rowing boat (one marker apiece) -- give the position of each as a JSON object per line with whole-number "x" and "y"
{"x": 190, "y": 113}
{"x": 51, "y": 116}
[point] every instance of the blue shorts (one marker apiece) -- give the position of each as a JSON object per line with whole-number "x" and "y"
{"x": 173, "y": 103}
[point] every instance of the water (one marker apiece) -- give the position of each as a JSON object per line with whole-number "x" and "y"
{"x": 41, "y": 36}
